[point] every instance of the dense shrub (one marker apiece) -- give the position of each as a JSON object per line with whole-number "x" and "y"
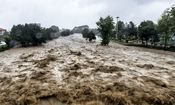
{"x": 66, "y": 32}
{"x": 31, "y": 34}
{"x": 48, "y": 33}
{"x": 8, "y": 40}
{"x": 85, "y": 33}
{"x": 3, "y": 48}
{"x": 89, "y": 35}
{"x": 28, "y": 34}
{"x": 147, "y": 31}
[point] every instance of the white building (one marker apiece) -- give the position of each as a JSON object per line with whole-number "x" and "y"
{"x": 2, "y": 31}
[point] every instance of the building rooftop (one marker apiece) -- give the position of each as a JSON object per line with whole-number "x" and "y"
{"x": 1, "y": 29}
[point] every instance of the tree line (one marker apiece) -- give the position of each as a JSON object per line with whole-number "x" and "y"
{"x": 32, "y": 34}
{"x": 146, "y": 33}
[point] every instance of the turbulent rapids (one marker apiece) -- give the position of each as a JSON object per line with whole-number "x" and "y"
{"x": 71, "y": 71}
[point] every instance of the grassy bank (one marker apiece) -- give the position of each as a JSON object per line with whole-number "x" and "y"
{"x": 172, "y": 49}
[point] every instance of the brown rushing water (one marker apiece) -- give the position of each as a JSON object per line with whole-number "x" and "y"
{"x": 70, "y": 71}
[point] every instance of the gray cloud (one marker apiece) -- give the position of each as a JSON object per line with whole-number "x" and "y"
{"x": 70, "y": 13}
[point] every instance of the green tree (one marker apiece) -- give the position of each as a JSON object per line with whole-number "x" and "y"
{"x": 121, "y": 30}
{"x": 132, "y": 30}
{"x": 48, "y": 33}
{"x": 7, "y": 40}
{"x": 85, "y": 33}
{"x": 55, "y": 28}
{"x": 155, "y": 38}
{"x": 28, "y": 34}
{"x": 105, "y": 27}
{"x": 164, "y": 27}
{"x": 66, "y": 32}
{"x": 89, "y": 35}
{"x": 146, "y": 30}
{"x": 172, "y": 18}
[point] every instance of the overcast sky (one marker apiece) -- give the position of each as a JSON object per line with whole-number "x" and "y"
{"x": 70, "y": 13}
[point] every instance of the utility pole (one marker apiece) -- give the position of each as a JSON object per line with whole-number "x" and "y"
{"x": 117, "y": 28}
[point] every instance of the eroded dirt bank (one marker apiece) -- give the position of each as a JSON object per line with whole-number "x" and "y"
{"x": 69, "y": 71}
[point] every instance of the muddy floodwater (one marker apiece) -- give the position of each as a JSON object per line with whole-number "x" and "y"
{"x": 71, "y": 71}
